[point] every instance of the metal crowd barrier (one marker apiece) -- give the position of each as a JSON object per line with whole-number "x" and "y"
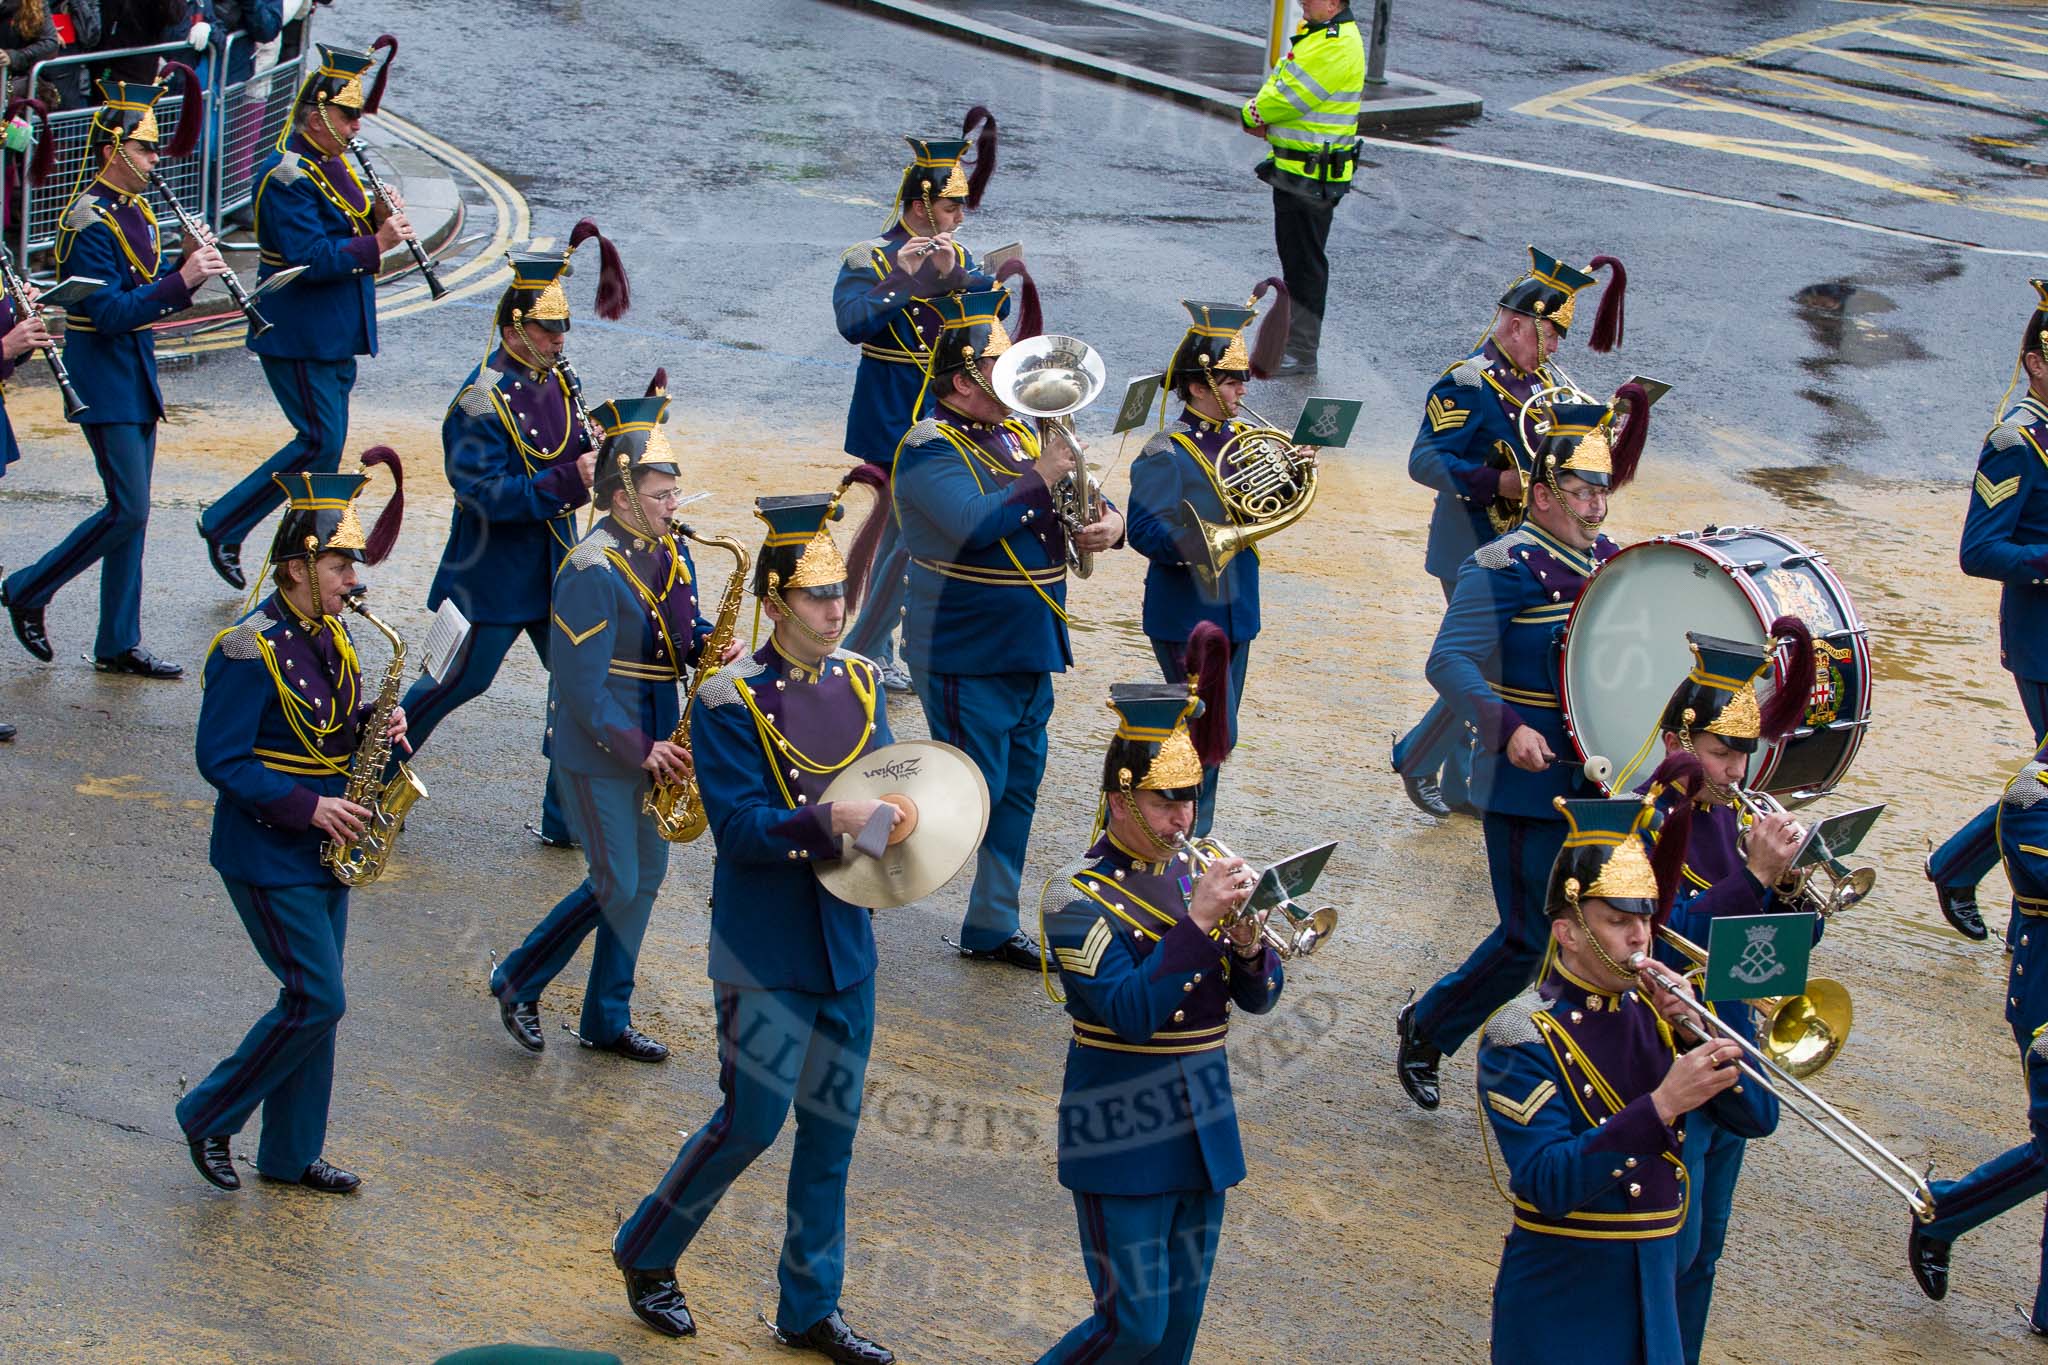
{"x": 215, "y": 181}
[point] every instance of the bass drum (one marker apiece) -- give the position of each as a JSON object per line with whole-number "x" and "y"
{"x": 1625, "y": 651}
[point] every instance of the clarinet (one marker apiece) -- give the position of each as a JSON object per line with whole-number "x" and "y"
{"x": 258, "y": 324}
{"x": 591, "y": 430}
{"x": 360, "y": 150}
{"x": 17, "y": 289}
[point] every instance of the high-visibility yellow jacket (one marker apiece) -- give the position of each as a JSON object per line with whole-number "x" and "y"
{"x": 1308, "y": 106}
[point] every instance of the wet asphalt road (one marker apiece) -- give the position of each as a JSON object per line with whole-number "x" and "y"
{"x": 1833, "y": 381}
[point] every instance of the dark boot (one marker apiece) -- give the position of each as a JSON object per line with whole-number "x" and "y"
{"x": 1416, "y": 1059}
{"x": 1929, "y": 1261}
{"x": 215, "y": 1162}
{"x": 833, "y": 1339}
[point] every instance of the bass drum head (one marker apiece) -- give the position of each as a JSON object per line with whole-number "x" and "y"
{"x": 1625, "y": 650}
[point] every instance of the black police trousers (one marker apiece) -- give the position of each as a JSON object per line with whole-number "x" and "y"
{"x": 1301, "y": 230}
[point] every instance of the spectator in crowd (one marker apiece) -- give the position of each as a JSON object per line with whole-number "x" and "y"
{"x": 78, "y": 24}
{"x": 26, "y": 37}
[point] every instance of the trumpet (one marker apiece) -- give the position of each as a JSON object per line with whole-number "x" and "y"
{"x": 1048, "y": 378}
{"x": 1783, "y": 1083}
{"x": 1826, "y": 887}
{"x": 1303, "y": 931}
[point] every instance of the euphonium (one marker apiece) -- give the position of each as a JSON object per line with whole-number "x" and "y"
{"x": 678, "y": 807}
{"x": 361, "y": 860}
{"x": 1049, "y": 378}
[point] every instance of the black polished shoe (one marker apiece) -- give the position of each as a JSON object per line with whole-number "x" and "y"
{"x": 1467, "y": 808}
{"x": 1426, "y": 796}
{"x": 633, "y": 1045}
{"x": 1929, "y": 1260}
{"x": 1017, "y": 951}
{"x": 6, "y": 732}
{"x": 140, "y": 663}
{"x": 1959, "y": 907}
{"x": 521, "y": 1019}
{"x": 2036, "y": 1328}
{"x": 226, "y": 561}
{"x": 28, "y": 628}
{"x": 546, "y": 841}
{"x": 1295, "y": 367}
{"x": 1416, "y": 1060}
{"x": 215, "y": 1162}
{"x": 655, "y": 1299}
{"x": 833, "y": 1339}
{"x": 322, "y": 1177}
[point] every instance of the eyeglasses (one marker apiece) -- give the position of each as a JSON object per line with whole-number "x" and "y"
{"x": 670, "y": 495}
{"x": 1583, "y": 497}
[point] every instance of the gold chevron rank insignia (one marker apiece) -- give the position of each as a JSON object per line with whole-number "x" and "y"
{"x": 576, "y": 639}
{"x": 1445, "y": 417}
{"x": 1995, "y": 493}
{"x": 1084, "y": 960}
{"x": 1526, "y": 1110}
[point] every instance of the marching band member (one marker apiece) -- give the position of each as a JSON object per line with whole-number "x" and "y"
{"x": 313, "y": 211}
{"x": 1710, "y": 727}
{"x": 278, "y": 725}
{"x": 626, "y": 616}
{"x": 1148, "y": 1136}
{"x": 1468, "y": 448}
{"x": 1495, "y": 664}
{"x": 2005, "y": 537}
{"x": 521, "y": 460}
{"x": 108, "y": 232}
{"x": 986, "y": 624}
{"x": 878, "y": 301}
{"x": 2005, "y": 1182}
{"x": 1182, "y": 468}
{"x": 19, "y": 338}
{"x": 1589, "y": 1081}
{"x": 792, "y": 966}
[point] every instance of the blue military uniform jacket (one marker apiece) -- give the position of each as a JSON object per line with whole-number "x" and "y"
{"x": 1146, "y": 1107}
{"x": 313, "y": 211}
{"x": 510, "y": 442}
{"x": 876, "y": 304}
{"x": 1470, "y": 415}
{"x": 1495, "y": 661}
{"x": 1596, "y": 1180}
{"x": 109, "y": 347}
{"x": 2005, "y": 533}
{"x": 1179, "y": 465}
{"x": 769, "y": 735}
{"x": 988, "y": 567}
{"x": 278, "y": 726}
{"x": 10, "y": 448}
{"x": 626, "y": 624}
{"x": 2023, "y": 847}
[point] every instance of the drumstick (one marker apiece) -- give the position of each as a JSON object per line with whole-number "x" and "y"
{"x": 1597, "y": 768}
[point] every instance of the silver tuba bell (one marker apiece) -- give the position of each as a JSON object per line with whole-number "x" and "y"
{"x": 1046, "y": 378}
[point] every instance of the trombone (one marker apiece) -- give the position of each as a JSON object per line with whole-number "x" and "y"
{"x": 1303, "y": 932}
{"x": 1859, "y": 1146}
{"x": 1843, "y": 886}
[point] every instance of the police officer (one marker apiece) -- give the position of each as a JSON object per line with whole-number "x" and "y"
{"x": 2005, "y": 1182}
{"x": 1148, "y": 1138}
{"x": 313, "y": 211}
{"x": 877, "y": 303}
{"x": 1495, "y": 663}
{"x": 792, "y": 966}
{"x": 278, "y": 724}
{"x": 1591, "y": 1098}
{"x": 108, "y": 232}
{"x": 17, "y": 338}
{"x": 626, "y": 624}
{"x": 1469, "y": 448}
{"x": 2005, "y": 536}
{"x": 520, "y": 457}
{"x": 1177, "y": 482}
{"x": 1307, "y": 112}
{"x": 1710, "y": 727}
{"x": 985, "y": 627}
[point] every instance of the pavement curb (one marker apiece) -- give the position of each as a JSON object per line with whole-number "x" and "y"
{"x": 1404, "y": 102}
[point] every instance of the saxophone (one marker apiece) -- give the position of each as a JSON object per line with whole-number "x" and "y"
{"x": 678, "y": 807}
{"x": 361, "y": 860}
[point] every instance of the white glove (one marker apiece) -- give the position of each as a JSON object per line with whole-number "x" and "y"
{"x": 201, "y": 35}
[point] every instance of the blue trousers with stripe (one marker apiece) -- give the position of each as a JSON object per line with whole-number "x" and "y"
{"x": 1713, "y": 1162}
{"x": 999, "y": 719}
{"x": 1972, "y": 851}
{"x": 1172, "y": 656}
{"x": 628, "y": 859}
{"x": 1148, "y": 1260}
{"x": 428, "y": 703}
{"x": 1519, "y": 854}
{"x": 286, "y": 1063}
{"x": 1439, "y": 743}
{"x": 125, "y": 453}
{"x": 314, "y": 396}
{"x": 2004, "y": 1182}
{"x": 776, "y": 1049}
